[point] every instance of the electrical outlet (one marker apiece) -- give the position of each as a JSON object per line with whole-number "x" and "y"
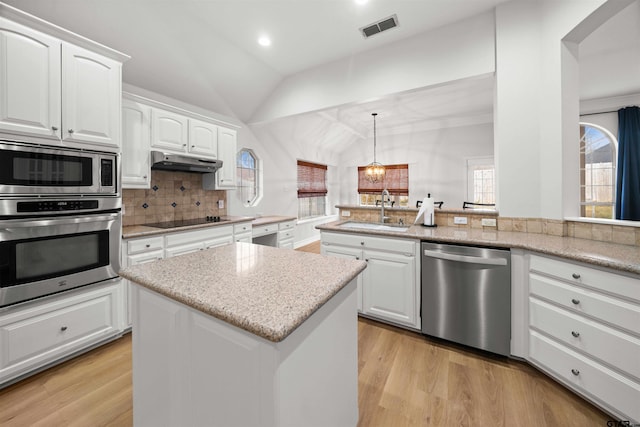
{"x": 488, "y": 222}
{"x": 459, "y": 219}
{"x": 220, "y": 204}
{"x": 346, "y": 213}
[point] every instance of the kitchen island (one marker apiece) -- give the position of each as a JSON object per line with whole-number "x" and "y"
{"x": 245, "y": 335}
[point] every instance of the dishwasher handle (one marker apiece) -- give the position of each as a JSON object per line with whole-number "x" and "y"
{"x": 465, "y": 258}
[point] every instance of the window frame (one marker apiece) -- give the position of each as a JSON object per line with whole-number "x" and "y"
{"x": 479, "y": 163}
{"x": 312, "y": 197}
{"x": 258, "y": 190}
{"x": 582, "y": 170}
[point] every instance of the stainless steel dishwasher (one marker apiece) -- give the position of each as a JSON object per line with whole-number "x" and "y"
{"x": 466, "y": 295}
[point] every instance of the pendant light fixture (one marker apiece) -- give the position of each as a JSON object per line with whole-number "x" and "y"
{"x": 374, "y": 170}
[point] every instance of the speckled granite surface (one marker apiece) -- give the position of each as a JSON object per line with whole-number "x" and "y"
{"x": 619, "y": 257}
{"x": 266, "y": 291}
{"x": 133, "y": 231}
{"x": 263, "y": 220}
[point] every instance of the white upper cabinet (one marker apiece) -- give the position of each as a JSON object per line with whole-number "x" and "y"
{"x": 57, "y": 87}
{"x": 136, "y": 137}
{"x": 226, "y": 176}
{"x": 29, "y": 81}
{"x": 203, "y": 138}
{"x": 91, "y": 97}
{"x": 169, "y": 131}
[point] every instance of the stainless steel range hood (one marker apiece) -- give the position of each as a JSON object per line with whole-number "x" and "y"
{"x": 177, "y": 162}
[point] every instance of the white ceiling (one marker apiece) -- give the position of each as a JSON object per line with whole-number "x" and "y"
{"x": 205, "y": 53}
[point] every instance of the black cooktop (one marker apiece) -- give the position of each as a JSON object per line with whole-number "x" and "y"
{"x": 186, "y": 222}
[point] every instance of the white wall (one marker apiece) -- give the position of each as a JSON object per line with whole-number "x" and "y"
{"x": 533, "y": 115}
{"x": 437, "y": 161}
{"x": 461, "y": 50}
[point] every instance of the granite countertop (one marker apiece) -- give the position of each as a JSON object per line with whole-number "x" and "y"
{"x": 270, "y": 219}
{"x": 132, "y": 231}
{"x": 615, "y": 256}
{"x": 266, "y": 291}
{"x": 483, "y": 212}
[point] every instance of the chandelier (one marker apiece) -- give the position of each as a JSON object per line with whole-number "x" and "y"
{"x": 374, "y": 171}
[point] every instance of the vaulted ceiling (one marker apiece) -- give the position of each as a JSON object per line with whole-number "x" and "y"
{"x": 205, "y": 53}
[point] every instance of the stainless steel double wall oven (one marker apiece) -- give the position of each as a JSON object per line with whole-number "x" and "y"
{"x": 60, "y": 219}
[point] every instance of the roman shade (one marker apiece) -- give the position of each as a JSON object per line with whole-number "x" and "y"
{"x": 396, "y": 180}
{"x": 312, "y": 179}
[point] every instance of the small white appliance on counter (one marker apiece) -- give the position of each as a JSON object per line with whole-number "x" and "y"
{"x": 426, "y": 214}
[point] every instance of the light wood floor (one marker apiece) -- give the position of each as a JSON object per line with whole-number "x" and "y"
{"x": 405, "y": 379}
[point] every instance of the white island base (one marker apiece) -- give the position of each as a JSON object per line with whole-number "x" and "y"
{"x": 191, "y": 369}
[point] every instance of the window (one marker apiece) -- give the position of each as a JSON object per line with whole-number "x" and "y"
{"x": 481, "y": 180}
{"x": 396, "y": 180}
{"x": 312, "y": 189}
{"x": 598, "y": 155}
{"x": 248, "y": 177}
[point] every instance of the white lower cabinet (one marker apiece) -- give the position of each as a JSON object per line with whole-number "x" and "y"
{"x": 389, "y": 288}
{"x": 141, "y": 250}
{"x": 242, "y": 232}
{"x": 584, "y": 330}
{"x": 39, "y": 333}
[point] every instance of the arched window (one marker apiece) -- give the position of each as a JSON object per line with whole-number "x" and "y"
{"x": 248, "y": 175}
{"x": 598, "y": 156}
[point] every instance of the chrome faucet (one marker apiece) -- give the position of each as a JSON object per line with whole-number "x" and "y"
{"x": 382, "y": 217}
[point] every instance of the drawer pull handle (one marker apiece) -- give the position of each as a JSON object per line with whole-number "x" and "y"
{"x": 148, "y": 245}
{"x": 357, "y": 257}
{"x": 367, "y": 259}
{"x": 575, "y": 301}
{"x": 575, "y": 372}
{"x": 575, "y": 334}
{"x": 575, "y": 275}
{"x": 64, "y": 328}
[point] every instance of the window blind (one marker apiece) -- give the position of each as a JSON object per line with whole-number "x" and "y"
{"x": 312, "y": 178}
{"x": 396, "y": 180}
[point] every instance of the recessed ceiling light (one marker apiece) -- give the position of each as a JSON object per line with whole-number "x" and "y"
{"x": 264, "y": 41}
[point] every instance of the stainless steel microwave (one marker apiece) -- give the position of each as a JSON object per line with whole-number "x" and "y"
{"x": 27, "y": 170}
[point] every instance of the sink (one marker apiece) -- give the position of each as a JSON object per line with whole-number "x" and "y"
{"x": 375, "y": 226}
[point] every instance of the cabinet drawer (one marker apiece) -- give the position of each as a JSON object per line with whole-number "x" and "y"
{"x": 406, "y": 246}
{"x": 144, "y": 245}
{"x": 199, "y": 235}
{"x": 284, "y": 235}
{"x": 609, "y": 345}
{"x": 288, "y": 225}
{"x": 56, "y": 328}
{"x": 613, "y": 390}
{"x": 244, "y": 227}
{"x": 602, "y": 307}
{"x": 262, "y": 230}
{"x": 578, "y": 274}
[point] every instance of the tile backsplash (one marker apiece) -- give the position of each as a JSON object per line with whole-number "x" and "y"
{"x": 172, "y": 196}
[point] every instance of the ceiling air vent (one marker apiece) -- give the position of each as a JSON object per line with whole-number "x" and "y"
{"x": 380, "y": 26}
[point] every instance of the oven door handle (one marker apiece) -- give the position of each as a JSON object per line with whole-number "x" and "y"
{"x": 46, "y": 222}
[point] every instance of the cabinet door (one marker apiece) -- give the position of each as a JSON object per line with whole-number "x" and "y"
{"x": 219, "y": 241}
{"x": 136, "y": 137}
{"x": 348, "y": 253}
{"x": 203, "y": 138}
{"x": 389, "y": 287}
{"x": 29, "y": 81}
{"x": 182, "y": 250}
{"x": 169, "y": 131}
{"x": 226, "y": 176}
{"x": 91, "y": 97}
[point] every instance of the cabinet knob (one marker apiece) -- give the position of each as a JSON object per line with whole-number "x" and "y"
{"x": 148, "y": 245}
{"x": 63, "y": 328}
{"x": 184, "y": 145}
{"x": 575, "y": 275}
{"x": 70, "y": 131}
{"x": 193, "y": 146}
{"x": 366, "y": 259}
{"x": 362, "y": 243}
{"x": 357, "y": 257}
{"x": 575, "y": 301}
{"x": 54, "y": 128}
{"x": 144, "y": 177}
{"x": 575, "y": 334}
{"x": 575, "y": 372}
